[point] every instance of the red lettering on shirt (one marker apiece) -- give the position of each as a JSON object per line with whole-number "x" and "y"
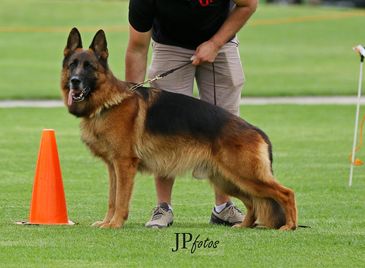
{"x": 205, "y": 3}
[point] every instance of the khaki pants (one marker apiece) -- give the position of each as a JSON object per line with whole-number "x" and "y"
{"x": 229, "y": 76}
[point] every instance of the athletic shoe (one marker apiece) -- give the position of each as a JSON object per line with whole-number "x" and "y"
{"x": 230, "y": 215}
{"x": 162, "y": 217}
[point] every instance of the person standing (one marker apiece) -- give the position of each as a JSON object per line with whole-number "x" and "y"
{"x": 203, "y": 32}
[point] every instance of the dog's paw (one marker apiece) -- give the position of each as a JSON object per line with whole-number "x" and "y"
{"x": 238, "y": 225}
{"x": 98, "y": 223}
{"x": 287, "y": 227}
{"x": 111, "y": 225}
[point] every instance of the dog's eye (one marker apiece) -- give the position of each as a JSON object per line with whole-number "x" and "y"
{"x": 73, "y": 64}
{"x": 88, "y": 65}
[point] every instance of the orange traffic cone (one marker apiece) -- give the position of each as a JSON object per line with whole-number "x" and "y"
{"x": 48, "y": 205}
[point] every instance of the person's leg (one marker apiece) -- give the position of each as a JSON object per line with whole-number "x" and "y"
{"x": 220, "y": 198}
{"x": 221, "y": 84}
{"x": 164, "y": 58}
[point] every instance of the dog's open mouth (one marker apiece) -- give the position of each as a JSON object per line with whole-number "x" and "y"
{"x": 77, "y": 95}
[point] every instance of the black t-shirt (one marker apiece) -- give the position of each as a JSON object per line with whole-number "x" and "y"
{"x": 184, "y": 23}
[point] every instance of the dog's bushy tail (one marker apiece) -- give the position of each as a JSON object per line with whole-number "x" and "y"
{"x": 268, "y": 213}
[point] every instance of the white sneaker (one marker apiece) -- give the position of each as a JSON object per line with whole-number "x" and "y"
{"x": 230, "y": 215}
{"x": 162, "y": 217}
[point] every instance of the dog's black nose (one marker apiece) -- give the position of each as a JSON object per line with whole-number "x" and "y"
{"x": 75, "y": 81}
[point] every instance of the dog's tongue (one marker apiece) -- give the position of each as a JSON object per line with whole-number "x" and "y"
{"x": 69, "y": 100}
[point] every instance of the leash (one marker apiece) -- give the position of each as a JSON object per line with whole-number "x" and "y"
{"x": 215, "y": 96}
{"x": 159, "y": 76}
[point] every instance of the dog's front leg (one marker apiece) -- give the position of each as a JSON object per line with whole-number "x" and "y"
{"x": 125, "y": 170}
{"x": 112, "y": 193}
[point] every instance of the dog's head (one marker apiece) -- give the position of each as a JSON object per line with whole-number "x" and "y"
{"x": 83, "y": 72}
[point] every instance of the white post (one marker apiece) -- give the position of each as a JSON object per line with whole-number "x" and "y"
{"x": 360, "y": 50}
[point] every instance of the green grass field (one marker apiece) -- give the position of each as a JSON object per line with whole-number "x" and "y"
{"x": 285, "y": 50}
{"x": 311, "y": 148}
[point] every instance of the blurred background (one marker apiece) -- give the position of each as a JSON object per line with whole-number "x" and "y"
{"x": 288, "y": 47}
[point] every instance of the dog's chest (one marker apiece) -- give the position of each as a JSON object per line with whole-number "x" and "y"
{"x": 93, "y": 134}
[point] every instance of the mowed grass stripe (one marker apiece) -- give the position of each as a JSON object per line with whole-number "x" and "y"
{"x": 39, "y": 29}
{"x": 314, "y": 18}
{"x": 124, "y": 28}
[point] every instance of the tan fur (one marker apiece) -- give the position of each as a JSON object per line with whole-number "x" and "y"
{"x": 237, "y": 162}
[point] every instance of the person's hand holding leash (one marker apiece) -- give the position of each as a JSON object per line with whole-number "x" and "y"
{"x": 206, "y": 52}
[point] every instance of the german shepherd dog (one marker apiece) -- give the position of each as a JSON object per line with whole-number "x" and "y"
{"x": 167, "y": 134}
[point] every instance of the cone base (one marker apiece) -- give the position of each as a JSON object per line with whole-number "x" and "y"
{"x": 31, "y": 223}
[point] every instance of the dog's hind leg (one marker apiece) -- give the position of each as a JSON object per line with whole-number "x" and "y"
{"x": 245, "y": 161}
{"x": 125, "y": 170}
{"x": 272, "y": 189}
{"x": 250, "y": 217}
{"x": 231, "y": 189}
{"x": 112, "y": 194}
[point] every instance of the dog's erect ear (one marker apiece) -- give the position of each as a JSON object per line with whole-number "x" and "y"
{"x": 73, "y": 42}
{"x": 99, "y": 45}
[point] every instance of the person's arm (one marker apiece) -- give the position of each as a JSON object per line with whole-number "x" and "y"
{"x": 208, "y": 50}
{"x": 136, "y": 55}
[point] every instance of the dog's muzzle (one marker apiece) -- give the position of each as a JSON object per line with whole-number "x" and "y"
{"x": 77, "y": 91}
{"x": 77, "y": 95}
